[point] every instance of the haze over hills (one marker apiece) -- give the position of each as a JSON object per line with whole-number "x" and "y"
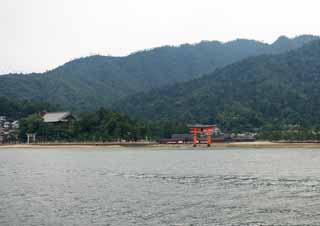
{"x": 268, "y": 91}
{"x": 90, "y": 82}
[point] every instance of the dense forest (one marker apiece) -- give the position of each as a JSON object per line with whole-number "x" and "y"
{"x": 15, "y": 109}
{"x": 88, "y": 83}
{"x": 101, "y": 125}
{"x": 269, "y": 92}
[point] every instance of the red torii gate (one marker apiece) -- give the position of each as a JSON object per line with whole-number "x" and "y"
{"x": 201, "y": 129}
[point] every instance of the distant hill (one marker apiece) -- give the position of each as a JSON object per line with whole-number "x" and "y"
{"x": 90, "y": 82}
{"x": 267, "y": 91}
{"x": 16, "y": 109}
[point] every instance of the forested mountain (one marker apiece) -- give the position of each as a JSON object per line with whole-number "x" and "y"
{"x": 87, "y": 83}
{"x": 16, "y": 109}
{"x": 268, "y": 91}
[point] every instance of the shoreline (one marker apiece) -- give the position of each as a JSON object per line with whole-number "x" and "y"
{"x": 255, "y": 144}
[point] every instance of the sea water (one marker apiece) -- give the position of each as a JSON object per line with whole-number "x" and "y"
{"x": 105, "y": 186}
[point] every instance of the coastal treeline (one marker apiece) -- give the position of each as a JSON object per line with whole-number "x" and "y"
{"x": 99, "y": 126}
{"x": 301, "y": 134}
{"x": 106, "y": 125}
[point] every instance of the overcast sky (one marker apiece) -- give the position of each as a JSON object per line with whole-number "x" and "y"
{"x": 38, "y": 35}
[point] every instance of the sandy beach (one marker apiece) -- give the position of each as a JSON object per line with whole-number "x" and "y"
{"x": 256, "y": 144}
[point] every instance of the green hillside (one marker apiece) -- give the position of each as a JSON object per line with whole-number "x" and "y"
{"x": 16, "y": 109}
{"x": 269, "y": 91}
{"x": 88, "y": 83}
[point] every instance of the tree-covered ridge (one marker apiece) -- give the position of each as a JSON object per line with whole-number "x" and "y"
{"x": 269, "y": 91}
{"x": 16, "y": 109}
{"x": 88, "y": 83}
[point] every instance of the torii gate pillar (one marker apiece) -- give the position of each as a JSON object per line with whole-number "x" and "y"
{"x": 195, "y": 137}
